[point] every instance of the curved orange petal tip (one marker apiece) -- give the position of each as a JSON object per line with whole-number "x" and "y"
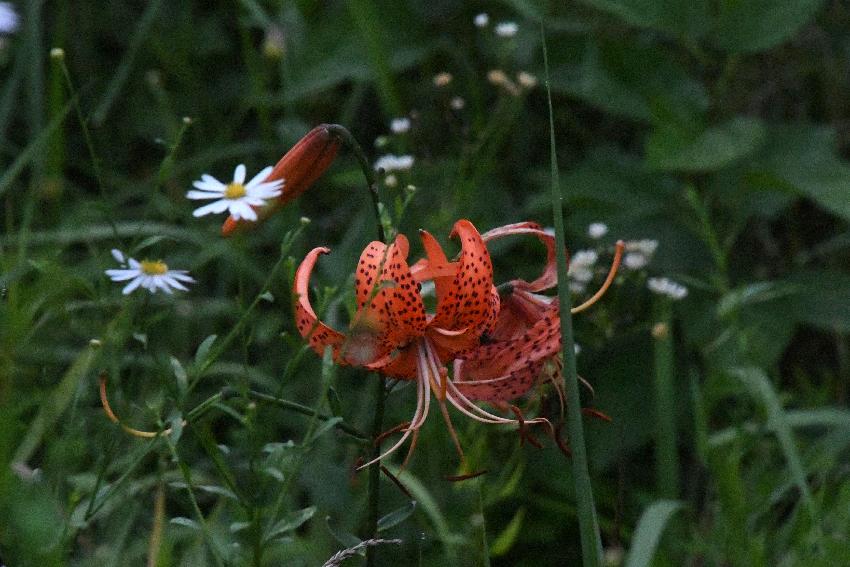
{"x": 318, "y": 334}
{"x": 299, "y": 168}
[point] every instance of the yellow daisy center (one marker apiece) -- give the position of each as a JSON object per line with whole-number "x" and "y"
{"x": 234, "y": 191}
{"x": 153, "y": 268}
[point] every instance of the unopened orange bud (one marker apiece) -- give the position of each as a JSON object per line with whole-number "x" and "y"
{"x": 299, "y": 168}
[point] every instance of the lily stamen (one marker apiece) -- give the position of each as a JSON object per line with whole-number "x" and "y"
{"x": 615, "y": 264}
{"x": 107, "y": 409}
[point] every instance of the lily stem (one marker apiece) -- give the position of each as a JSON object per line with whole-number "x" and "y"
{"x": 591, "y": 543}
{"x": 375, "y": 470}
{"x": 371, "y": 182}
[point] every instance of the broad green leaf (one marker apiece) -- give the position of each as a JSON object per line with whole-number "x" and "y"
{"x": 648, "y": 532}
{"x": 180, "y": 375}
{"x": 345, "y": 538}
{"x": 803, "y": 158}
{"x": 756, "y": 25}
{"x": 641, "y": 82}
{"x": 677, "y": 17}
{"x": 716, "y": 147}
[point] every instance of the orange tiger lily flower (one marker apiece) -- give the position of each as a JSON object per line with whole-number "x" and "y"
{"x": 391, "y": 332}
{"x": 527, "y": 333}
{"x": 299, "y": 168}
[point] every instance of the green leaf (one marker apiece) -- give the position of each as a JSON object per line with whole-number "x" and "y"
{"x": 648, "y": 532}
{"x": 677, "y": 17}
{"x": 672, "y": 149}
{"x": 345, "y": 538}
{"x": 756, "y": 25}
{"x": 640, "y": 82}
{"x": 505, "y": 540}
{"x": 290, "y": 522}
{"x": 803, "y": 158}
{"x": 185, "y": 522}
{"x": 204, "y": 350}
{"x": 762, "y": 390}
{"x": 180, "y": 375}
{"x": 396, "y": 516}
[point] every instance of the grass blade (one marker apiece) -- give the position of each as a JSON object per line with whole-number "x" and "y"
{"x": 648, "y": 533}
{"x": 762, "y": 390}
{"x": 591, "y": 543}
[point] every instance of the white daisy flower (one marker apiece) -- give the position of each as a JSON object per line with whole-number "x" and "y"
{"x": 152, "y": 275}
{"x": 237, "y": 197}
{"x": 481, "y": 20}
{"x": 9, "y": 20}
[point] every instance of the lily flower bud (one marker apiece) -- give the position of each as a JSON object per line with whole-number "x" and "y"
{"x": 299, "y": 168}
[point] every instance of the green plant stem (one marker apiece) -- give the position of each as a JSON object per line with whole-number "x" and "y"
{"x": 375, "y": 470}
{"x": 591, "y": 543}
{"x": 345, "y": 136}
{"x": 305, "y": 410}
{"x": 666, "y": 454}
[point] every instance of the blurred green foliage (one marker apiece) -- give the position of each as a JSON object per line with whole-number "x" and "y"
{"x": 719, "y": 129}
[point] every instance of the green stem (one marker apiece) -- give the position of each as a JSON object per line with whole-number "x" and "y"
{"x": 375, "y": 471}
{"x": 371, "y": 182}
{"x": 591, "y": 542}
{"x": 666, "y": 454}
{"x": 305, "y": 410}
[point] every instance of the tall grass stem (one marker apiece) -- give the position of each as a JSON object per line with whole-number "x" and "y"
{"x": 591, "y": 543}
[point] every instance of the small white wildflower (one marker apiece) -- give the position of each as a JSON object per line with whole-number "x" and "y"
{"x": 577, "y": 287}
{"x": 391, "y": 180}
{"x": 635, "y": 260}
{"x": 665, "y": 286}
{"x": 646, "y": 247}
{"x": 390, "y": 162}
{"x": 442, "y": 79}
{"x": 499, "y": 78}
{"x": 527, "y": 80}
{"x": 457, "y": 103}
{"x": 152, "y": 275}
{"x": 481, "y": 20}
{"x": 237, "y": 197}
{"x": 597, "y": 230}
{"x": 506, "y": 29}
{"x": 9, "y": 20}
{"x": 400, "y": 125}
{"x": 584, "y": 259}
{"x": 577, "y": 348}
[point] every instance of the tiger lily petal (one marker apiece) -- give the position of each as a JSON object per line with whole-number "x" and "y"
{"x": 526, "y": 339}
{"x": 298, "y": 169}
{"x": 391, "y": 332}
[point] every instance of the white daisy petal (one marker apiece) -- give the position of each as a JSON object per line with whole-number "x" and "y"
{"x": 239, "y": 173}
{"x": 195, "y": 195}
{"x": 216, "y": 207}
{"x": 133, "y": 263}
{"x": 121, "y": 275}
{"x": 131, "y": 287}
{"x": 207, "y": 178}
{"x": 118, "y": 255}
{"x": 181, "y": 275}
{"x": 247, "y": 212}
{"x": 259, "y": 178}
{"x": 172, "y": 282}
{"x": 213, "y": 186}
